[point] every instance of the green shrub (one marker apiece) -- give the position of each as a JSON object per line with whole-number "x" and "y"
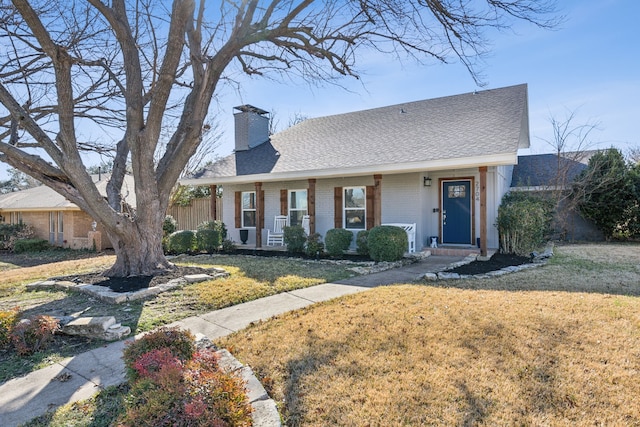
{"x": 362, "y": 247}
{"x": 607, "y": 193}
{"x": 33, "y": 334}
{"x": 208, "y": 240}
{"x": 228, "y": 246}
{"x": 30, "y": 245}
{"x": 387, "y": 243}
{"x": 180, "y": 342}
{"x": 8, "y": 319}
{"x": 219, "y": 226}
{"x": 9, "y": 233}
{"x": 314, "y": 246}
{"x": 523, "y": 222}
{"x": 169, "y": 225}
{"x": 182, "y": 242}
{"x": 337, "y": 240}
{"x": 294, "y": 238}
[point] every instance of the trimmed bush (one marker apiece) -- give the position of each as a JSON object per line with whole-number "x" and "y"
{"x": 523, "y": 223}
{"x": 337, "y": 240}
{"x": 294, "y": 238}
{"x": 182, "y": 242}
{"x": 208, "y": 240}
{"x": 180, "y": 342}
{"x": 314, "y": 246}
{"x": 219, "y": 226}
{"x": 387, "y": 243}
{"x": 30, "y": 245}
{"x": 210, "y": 235}
{"x": 362, "y": 247}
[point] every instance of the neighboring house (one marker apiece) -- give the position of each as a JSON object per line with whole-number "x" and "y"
{"x": 56, "y": 219}
{"x": 442, "y": 164}
{"x": 552, "y": 175}
{"x": 548, "y": 172}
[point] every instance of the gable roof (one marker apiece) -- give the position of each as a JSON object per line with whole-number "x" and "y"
{"x": 545, "y": 170}
{"x": 43, "y": 198}
{"x": 482, "y": 128}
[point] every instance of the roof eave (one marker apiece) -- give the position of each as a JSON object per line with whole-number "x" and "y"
{"x": 40, "y": 209}
{"x": 391, "y": 168}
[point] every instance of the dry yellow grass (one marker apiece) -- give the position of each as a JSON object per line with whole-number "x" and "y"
{"x": 430, "y": 355}
{"x": 12, "y": 278}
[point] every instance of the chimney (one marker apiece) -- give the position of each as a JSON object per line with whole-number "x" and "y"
{"x": 252, "y": 127}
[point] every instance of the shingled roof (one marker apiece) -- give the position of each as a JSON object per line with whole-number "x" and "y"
{"x": 44, "y": 198}
{"x": 481, "y": 128}
{"x": 548, "y": 170}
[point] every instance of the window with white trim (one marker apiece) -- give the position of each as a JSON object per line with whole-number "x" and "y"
{"x": 355, "y": 208}
{"x": 297, "y": 206}
{"x": 248, "y": 209}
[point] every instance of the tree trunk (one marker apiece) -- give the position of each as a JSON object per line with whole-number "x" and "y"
{"x": 138, "y": 248}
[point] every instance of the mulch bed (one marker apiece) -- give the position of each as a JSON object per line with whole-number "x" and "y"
{"x": 496, "y": 262}
{"x": 283, "y": 254}
{"x": 132, "y": 284}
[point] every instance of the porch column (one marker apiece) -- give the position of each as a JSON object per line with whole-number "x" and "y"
{"x": 483, "y": 211}
{"x": 213, "y": 189}
{"x": 311, "y": 205}
{"x": 377, "y": 200}
{"x": 259, "y": 214}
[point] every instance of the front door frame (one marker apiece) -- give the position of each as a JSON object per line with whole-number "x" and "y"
{"x": 471, "y": 180}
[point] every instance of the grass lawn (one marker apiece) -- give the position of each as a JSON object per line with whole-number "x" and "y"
{"x": 557, "y": 345}
{"x": 251, "y": 278}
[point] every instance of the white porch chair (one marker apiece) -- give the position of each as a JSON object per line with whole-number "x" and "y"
{"x": 276, "y": 236}
{"x": 305, "y": 224}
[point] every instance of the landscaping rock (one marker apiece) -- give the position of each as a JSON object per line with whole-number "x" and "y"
{"x": 196, "y": 278}
{"x": 102, "y": 327}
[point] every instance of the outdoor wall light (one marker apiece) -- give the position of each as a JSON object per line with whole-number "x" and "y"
{"x": 426, "y": 181}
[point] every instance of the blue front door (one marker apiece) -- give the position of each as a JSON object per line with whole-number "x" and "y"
{"x": 456, "y": 212}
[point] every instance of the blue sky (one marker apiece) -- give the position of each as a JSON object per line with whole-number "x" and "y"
{"x": 589, "y": 66}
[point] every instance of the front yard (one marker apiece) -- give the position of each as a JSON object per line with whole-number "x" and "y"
{"x": 556, "y": 345}
{"x": 251, "y": 278}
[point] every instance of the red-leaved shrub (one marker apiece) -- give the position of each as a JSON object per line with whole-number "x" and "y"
{"x": 184, "y": 390}
{"x": 180, "y": 343}
{"x": 32, "y": 334}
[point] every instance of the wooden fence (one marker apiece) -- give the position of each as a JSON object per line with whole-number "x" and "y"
{"x": 188, "y": 217}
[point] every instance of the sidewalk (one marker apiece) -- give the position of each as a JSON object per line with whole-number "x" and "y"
{"x": 82, "y": 376}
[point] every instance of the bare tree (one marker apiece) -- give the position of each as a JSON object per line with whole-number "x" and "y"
{"x": 572, "y": 143}
{"x": 134, "y": 67}
{"x": 17, "y": 181}
{"x": 633, "y": 154}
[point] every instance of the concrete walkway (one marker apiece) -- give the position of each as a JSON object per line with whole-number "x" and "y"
{"x": 82, "y": 376}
